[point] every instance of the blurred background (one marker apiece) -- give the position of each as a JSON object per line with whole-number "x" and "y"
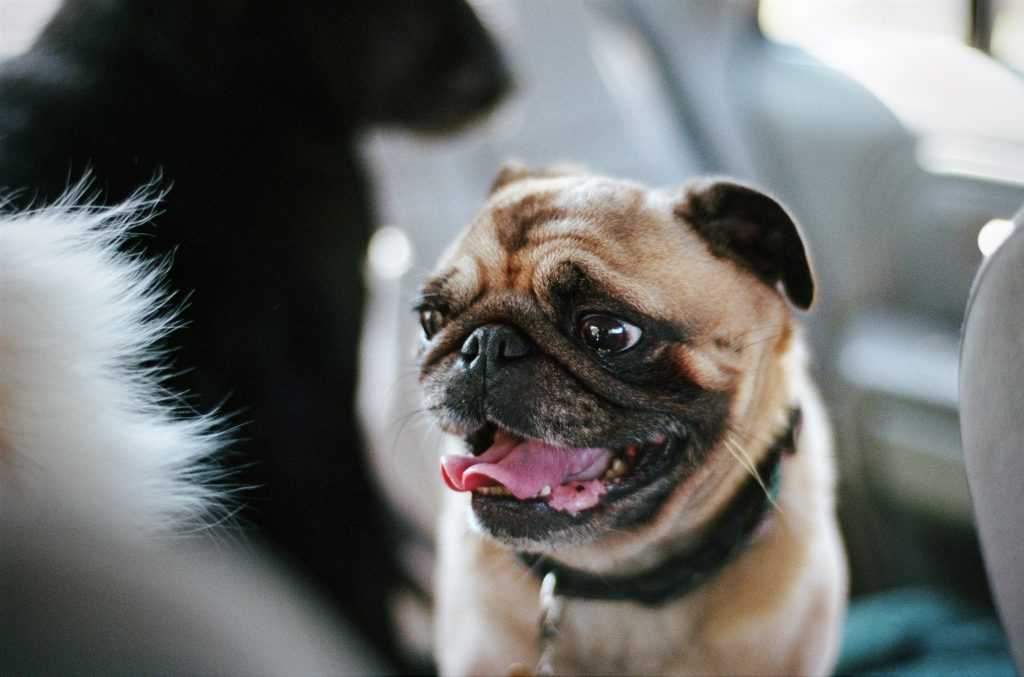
{"x": 892, "y": 129}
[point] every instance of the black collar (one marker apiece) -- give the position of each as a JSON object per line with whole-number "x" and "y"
{"x": 679, "y": 574}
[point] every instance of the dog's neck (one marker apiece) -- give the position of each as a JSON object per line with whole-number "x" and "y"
{"x": 678, "y": 574}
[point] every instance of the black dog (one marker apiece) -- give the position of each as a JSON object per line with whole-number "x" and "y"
{"x": 250, "y": 111}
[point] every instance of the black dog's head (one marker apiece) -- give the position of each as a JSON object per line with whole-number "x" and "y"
{"x": 429, "y": 65}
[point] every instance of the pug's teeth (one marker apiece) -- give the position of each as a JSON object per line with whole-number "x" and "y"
{"x": 493, "y": 490}
{"x": 546, "y": 491}
{"x": 617, "y": 469}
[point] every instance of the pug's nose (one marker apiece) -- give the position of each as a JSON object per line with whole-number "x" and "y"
{"x": 492, "y": 346}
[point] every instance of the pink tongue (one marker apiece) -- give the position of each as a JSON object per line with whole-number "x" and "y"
{"x": 524, "y": 467}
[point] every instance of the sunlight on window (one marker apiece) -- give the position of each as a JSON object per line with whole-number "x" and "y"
{"x": 913, "y": 56}
{"x": 807, "y": 22}
{"x": 1008, "y": 33}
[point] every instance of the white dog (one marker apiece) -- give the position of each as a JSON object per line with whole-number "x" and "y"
{"x": 85, "y": 427}
{"x": 100, "y": 475}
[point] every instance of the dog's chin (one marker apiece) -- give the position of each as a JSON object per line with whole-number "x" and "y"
{"x": 625, "y": 487}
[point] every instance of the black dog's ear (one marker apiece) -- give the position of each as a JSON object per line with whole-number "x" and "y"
{"x": 752, "y": 229}
{"x": 513, "y": 171}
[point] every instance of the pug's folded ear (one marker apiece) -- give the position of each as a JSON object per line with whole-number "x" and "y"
{"x": 514, "y": 170}
{"x": 753, "y": 230}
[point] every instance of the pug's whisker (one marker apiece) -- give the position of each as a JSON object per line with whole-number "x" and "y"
{"x": 404, "y": 419}
{"x": 763, "y": 340}
{"x": 761, "y": 327}
{"x": 767, "y": 491}
{"x": 744, "y": 460}
{"x": 400, "y": 379}
{"x": 400, "y": 425}
{"x": 736, "y": 338}
{"x": 749, "y": 436}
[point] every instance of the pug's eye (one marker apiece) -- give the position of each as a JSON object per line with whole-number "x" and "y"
{"x": 607, "y": 334}
{"x": 431, "y": 321}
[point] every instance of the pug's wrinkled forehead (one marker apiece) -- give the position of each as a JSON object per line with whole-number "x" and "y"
{"x": 666, "y": 253}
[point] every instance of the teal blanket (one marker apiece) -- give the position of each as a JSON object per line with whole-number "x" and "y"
{"x": 921, "y": 633}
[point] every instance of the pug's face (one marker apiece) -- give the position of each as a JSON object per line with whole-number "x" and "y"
{"x": 591, "y": 341}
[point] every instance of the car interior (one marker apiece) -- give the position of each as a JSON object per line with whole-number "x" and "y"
{"x": 894, "y": 132}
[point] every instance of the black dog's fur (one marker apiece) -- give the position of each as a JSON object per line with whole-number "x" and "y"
{"x": 250, "y": 111}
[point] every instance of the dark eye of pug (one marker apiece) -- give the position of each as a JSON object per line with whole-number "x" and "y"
{"x": 607, "y": 334}
{"x": 431, "y": 321}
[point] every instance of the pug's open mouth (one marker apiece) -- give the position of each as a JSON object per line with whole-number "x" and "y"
{"x": 509, "y": 469}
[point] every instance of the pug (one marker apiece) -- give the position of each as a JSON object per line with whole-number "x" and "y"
{"x": 630, "y": 421}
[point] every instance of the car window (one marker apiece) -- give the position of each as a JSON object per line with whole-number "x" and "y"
{"x": 1008, "y": 33}
{"x": 806, "y": 22}
{"x": 992, "y": 26}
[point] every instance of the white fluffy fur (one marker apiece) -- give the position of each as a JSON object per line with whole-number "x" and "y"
{"x": 84, "y": 425}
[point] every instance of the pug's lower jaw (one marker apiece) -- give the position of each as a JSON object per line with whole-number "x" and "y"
{"x": 612, "y": 361}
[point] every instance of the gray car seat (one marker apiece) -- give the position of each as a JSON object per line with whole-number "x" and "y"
{"x": 992, "y": 424}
